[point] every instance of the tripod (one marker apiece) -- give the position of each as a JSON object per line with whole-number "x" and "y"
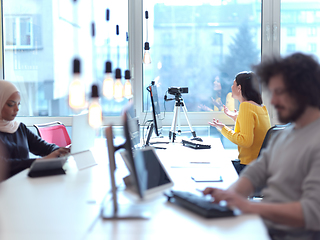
{"x": 176, "y": 117}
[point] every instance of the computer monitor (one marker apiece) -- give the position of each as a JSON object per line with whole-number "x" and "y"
{"x": 147, "y": 174}
{"x": 157, "y": 178}
{"x": 134, "y": 160}
{"x": 157, "y": 122}
{"x": 138, "y": 174}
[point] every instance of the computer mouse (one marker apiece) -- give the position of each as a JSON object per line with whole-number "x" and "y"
{"x": 197, "y": 139}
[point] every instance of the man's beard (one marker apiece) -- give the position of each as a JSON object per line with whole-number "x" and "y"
{"x": 294, "y": 114}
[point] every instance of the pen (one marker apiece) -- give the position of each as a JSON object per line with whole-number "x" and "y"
{"x": 201, "y": 162}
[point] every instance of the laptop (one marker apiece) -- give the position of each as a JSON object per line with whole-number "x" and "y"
{"x": 82, "y": 138}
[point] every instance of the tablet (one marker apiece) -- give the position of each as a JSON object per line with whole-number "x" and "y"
{"x": 158, "y": 179}
{"x": 47, "y": 167}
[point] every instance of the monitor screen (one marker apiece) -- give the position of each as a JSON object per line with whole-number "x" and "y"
{"x": 158, "y": 178}
{"x": 157, "y": 122}
{"x": 133, "y": 125}
{"x": 138, "y": 174}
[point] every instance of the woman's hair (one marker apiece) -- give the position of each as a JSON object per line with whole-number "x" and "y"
{"x": 250, "y": 88}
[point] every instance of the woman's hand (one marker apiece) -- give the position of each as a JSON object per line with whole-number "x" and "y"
{"x": 60, "y": 152}
{"x": 217, "y": 124}
{"x": 232, "y": 115}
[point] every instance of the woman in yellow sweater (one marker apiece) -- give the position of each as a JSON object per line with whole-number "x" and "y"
{"x": 251, "y": 121}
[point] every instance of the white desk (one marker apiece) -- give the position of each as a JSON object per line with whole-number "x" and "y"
{"x": 181, "y": 161}
{"x": 55, "y": 207}
{"x": 68, "y": 207}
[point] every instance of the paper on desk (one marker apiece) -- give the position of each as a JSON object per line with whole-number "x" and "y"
{"x": 84, "y": 159}
{"x": 206, "y": 175}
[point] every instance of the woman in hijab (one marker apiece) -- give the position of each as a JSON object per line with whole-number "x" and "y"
{"x": 16, "y": 139}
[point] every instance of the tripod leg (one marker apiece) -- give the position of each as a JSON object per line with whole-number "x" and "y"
{"x": 173, "y": 125}
{"x": 185, "y": 113}
{"x": 178, "y": 117}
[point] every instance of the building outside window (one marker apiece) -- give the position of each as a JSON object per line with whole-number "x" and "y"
{"x": 312, "y": 31}
{"x": 291, "y": 31}
{"x": 19, "y": 32}
{"x": 312, "y": 47}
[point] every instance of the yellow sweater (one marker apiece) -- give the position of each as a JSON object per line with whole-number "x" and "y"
{"x": 250, "y": 129}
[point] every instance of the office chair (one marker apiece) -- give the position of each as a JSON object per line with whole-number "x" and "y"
{"x": 274, "y": 129}
{"x": 54, "y": 132}
{"x": 270, "y": 132}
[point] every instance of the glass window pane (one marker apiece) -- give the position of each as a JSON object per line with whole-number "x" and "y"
{"x": 304, "y": 18}
{"x": 201, "y": 46}
{"x": 25, "y": 31}
{"x": 42, "y": 37}
{"x": 10, "y": 33}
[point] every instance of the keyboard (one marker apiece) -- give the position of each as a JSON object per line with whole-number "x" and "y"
{"x": 195, "y": 145}
{"x": 200, "y": 205}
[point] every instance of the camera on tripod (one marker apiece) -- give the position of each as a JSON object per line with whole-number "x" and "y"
{"x": 177, "y": 90}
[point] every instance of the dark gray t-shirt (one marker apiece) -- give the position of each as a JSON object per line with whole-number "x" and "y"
{"x": 290, "y": 169}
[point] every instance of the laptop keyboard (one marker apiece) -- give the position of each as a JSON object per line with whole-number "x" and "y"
{"x": 195, "y": 145}
{"x": 200, "y": 205}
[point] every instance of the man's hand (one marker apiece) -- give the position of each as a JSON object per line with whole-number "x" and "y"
{"x": 233, "y": 199}
{"x": 289, "y": 214}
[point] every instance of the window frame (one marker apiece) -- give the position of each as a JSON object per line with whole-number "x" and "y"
{"x": 269, "y": 46}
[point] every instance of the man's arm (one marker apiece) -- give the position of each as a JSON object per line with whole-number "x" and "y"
{"x": 242, "y": 186}
{"x": 290, "y": 214}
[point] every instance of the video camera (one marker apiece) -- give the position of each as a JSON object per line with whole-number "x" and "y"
{"x": 177, "y": 90}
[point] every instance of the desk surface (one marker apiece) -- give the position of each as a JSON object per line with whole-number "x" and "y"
{"x": 68, "y": 206}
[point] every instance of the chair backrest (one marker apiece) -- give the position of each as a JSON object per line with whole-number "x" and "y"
{"x": 54, "y": 132}
{"x": 269, "y": 134}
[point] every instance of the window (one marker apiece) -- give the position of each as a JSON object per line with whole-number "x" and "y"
{"x": 40, "y": 48}
{"x": 192, "y": 43}
{"x": 306, "y": 26}
{"x": 18, "y": 32}
{"x": 209, "y": 40}
{"x": 312, "y": 47}
{"x": 217, "y": 39}
{"x": 291, "y": 47}
{"x": 291, "y": 31}
{"x": 312, "y": 31}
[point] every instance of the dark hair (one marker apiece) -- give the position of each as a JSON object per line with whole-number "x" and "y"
{"x": 249, "y": 86}
{"x": 301, "y": 76}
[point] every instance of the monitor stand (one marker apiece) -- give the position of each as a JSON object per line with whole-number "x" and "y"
{"x": 149, "y": 134}
{"x": 125, "y": 211}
